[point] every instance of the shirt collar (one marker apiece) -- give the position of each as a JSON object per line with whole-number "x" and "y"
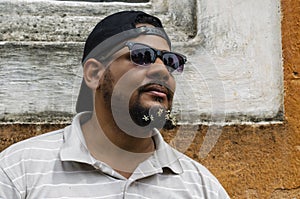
{"x": 165, "y": 155}
{"x": 75, "y": 148}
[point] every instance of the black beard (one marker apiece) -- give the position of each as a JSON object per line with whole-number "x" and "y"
{"x": 154, "y": 117}
{"x": 107, "y": 87}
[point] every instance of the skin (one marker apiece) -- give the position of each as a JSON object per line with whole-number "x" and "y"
{"x": 106, "y": 141}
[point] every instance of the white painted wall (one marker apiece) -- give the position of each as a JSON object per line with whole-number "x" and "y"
{"x": 237, "y": 69}
{"x": 234, "y": 68}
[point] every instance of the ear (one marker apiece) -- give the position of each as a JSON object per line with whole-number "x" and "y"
{"x": 92, "y": 72}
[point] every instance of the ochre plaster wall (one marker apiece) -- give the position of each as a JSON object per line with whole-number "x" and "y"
{"x": 251, "y": 161}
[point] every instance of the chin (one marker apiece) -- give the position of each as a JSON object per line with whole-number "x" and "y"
{"x": 151, "y": 115}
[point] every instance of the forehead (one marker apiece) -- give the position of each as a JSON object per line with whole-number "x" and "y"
{"x": 153, "y": 41}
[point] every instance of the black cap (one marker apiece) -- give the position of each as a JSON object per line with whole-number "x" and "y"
{"x": 107, "y": 34}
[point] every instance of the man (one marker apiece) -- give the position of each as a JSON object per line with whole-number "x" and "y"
{"x": 113, "y": 148}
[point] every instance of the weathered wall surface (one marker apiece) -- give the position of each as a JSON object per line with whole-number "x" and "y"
{"x": 251, "y": 161}
{"x": 228, "y": 66}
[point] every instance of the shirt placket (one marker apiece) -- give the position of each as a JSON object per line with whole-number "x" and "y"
{"x": 144, "y": 170}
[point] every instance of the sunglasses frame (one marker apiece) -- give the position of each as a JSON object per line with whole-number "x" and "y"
{"x": 158, "y": 54}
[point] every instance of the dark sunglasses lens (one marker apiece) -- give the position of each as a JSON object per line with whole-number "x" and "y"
{"x": 142, "y": 55}
{"x": 173, "y": 62}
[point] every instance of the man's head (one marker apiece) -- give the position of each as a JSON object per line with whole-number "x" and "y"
{"x": 127, "y": 65}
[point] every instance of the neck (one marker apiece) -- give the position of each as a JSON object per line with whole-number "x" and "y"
{"x": 107, "y": 143}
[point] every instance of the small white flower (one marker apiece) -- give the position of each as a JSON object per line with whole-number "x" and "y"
{"x": 160, "y": 112}
{"x": 151, "y": 117}
{"x": 167, "y": 117}
{"x": 174, "y": 122}
{"x": 146, "y": 118}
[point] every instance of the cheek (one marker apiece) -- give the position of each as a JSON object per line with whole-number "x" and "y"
{"x": 120, "y": 66}
{"x": 127, "y": 82}
{"x": 128, "y": 74}
{"x": 172, "y": 84}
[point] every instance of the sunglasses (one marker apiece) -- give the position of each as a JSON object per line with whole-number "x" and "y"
{"x": 143, "y": 55}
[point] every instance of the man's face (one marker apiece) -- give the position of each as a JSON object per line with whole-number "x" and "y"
{"x": 141, "y": 91}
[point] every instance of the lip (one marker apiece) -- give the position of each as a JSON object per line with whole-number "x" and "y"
{"x": 156, "y": 90}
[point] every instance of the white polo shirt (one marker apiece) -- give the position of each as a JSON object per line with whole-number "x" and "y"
{"x": 59, "y": 165}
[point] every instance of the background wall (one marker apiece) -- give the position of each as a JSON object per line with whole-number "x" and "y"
{"x": 229, "y": 63}
{"x": 251, "y": 160}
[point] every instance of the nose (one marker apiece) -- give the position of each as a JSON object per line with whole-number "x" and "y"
{"x": 158, "y": 70}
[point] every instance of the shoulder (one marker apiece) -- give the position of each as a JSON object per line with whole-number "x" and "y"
{"x": 192, "y": 167}
{"x": 44, "y": 143}
{"x": 196, "y": 173}
{"x": 29, "y": 156}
